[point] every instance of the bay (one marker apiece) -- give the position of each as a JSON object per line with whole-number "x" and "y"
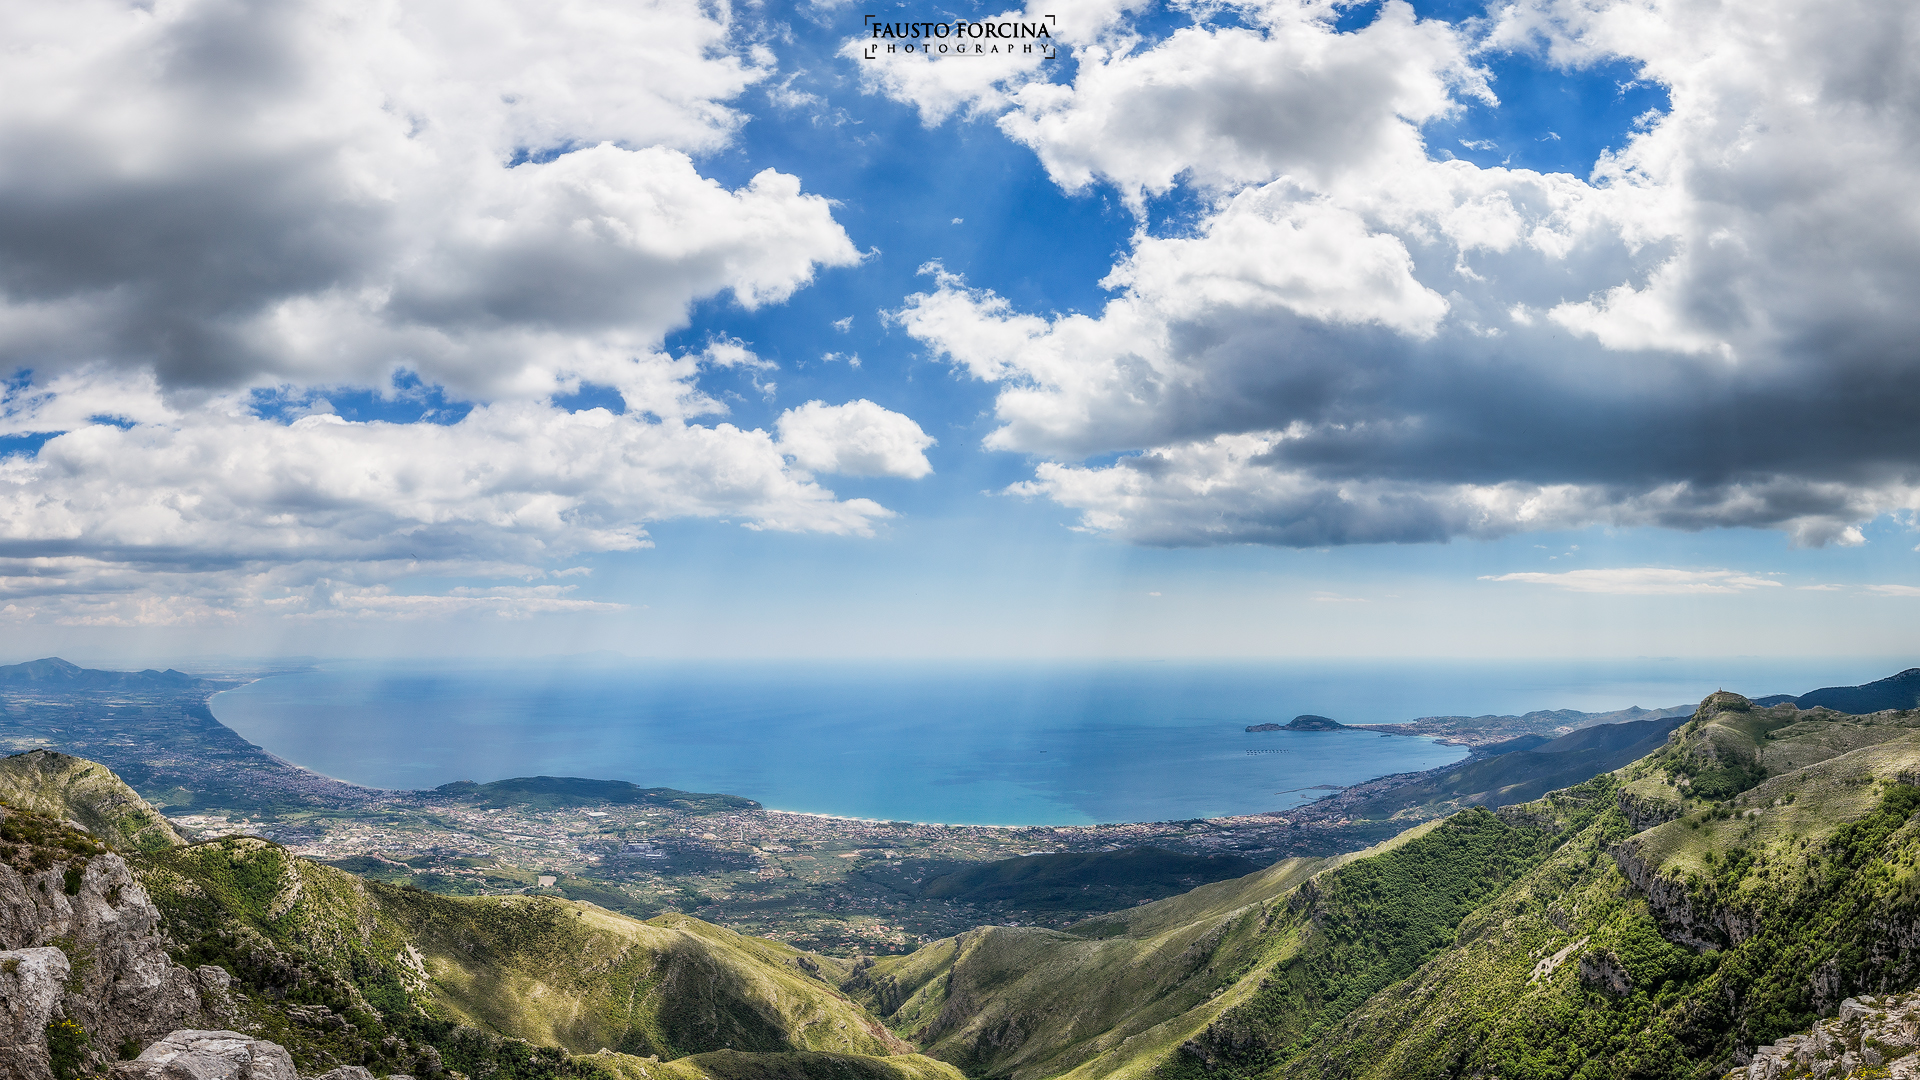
{"x": 962, "y": 743}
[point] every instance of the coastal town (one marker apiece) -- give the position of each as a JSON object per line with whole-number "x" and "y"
{"x": 826, "y": 883}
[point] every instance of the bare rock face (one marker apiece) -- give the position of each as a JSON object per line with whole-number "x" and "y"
{"x": 210, "y": 1055}
{"x": 1880, "y": 1033}
{"x": 1602, "y": 970}
{"x": 129, "y": 988}
{"x": 31, "y": 984}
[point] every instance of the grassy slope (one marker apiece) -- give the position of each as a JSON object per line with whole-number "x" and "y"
{"x": 570, "y": 974}
{"x": 1229, "y": 977}
{"x": 1027, "y": 1001}
{"x": 1659, "y": 953}
{"x": 74, "y": 788}
{"x": 547, "y": 971}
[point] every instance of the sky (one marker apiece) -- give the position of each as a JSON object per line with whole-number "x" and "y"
{"x": 1545, "y": 328}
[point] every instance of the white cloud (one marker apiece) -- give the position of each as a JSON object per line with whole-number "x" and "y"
{"x": 1234, "y": 106}
{"x": 855, "y": 439}
{"x": 1425, "y": 348}
{"x": 329, "y": 601}
{"x": 1895, "y": 590}
{"x": 233, "y": 194}
{"x": 200, "y": 198}
{"x": 1645, "y": 581}
{"x": 224, "y": 510}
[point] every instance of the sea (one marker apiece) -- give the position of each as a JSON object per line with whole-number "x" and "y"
{"x": 960, "y": 743}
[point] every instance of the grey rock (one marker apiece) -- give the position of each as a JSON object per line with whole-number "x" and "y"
{"x": 130, "y": 990}
{"x": 347, "y": 1072}
{"x": 216, "y": 991}
{"x": 1602, "y": 970}
{"x": 209, "y": 1055}
{"x": 31, "y": 984}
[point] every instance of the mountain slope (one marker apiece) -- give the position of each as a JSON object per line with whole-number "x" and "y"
{"x": 1665, "y": 951}
{"x": 1654, "y": 921}
{"x": 1901, "y": 691}
{"x": 1522, "y": 775}
{"x": 1032, "y": 1002}
{"x": 569, "y": 974}
{"x": 545, "y": 971}
{"x": 70, "y": 788}
{"x": 1228, "y": 977}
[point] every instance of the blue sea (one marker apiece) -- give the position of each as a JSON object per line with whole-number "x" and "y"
{"x": 985, "y": 743}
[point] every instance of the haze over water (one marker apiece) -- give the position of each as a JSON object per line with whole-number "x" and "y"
{"x": 991, "y": 744}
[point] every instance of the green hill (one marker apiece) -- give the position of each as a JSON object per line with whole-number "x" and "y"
{"x": 75, "y": 789}
{"x": 1667, "y": 951}
{"x": 488, "y": 980}
{"x": 1753, "y": 869}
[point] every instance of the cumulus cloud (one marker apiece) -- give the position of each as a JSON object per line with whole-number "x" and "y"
{"x": 496, "y": 196}
{"x": 855, "y": 439}
{"x": 222, "y": 511}
{"x": 1646, "y": 581}
{"x": 1359, "y": 341}
{"x": 1286, "y": 96}
{"x": 496, "y": 201}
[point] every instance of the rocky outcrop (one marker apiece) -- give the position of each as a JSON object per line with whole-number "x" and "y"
{"x": 1647, "y": 803}
{"x": 1603, "y": 971}
{"x": 127, "y": 987}
{"x": 209, "y": 1055}
{"x": 1672, "y": 907}
{"x": 62, "y": 894}
{"x": 1881, "y": 1034}
{"x": 31, "y": 984}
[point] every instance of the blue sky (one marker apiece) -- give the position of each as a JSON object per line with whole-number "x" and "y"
{"x": 1255, "y": 329}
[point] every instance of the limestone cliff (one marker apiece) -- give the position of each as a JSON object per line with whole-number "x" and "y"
{"x": 81, "y": 957}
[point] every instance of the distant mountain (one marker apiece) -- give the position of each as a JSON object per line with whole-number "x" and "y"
{"x": 1523, "y": 769}
{"x": 57, "y": 674}
{"x": 1900, "y": 691}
